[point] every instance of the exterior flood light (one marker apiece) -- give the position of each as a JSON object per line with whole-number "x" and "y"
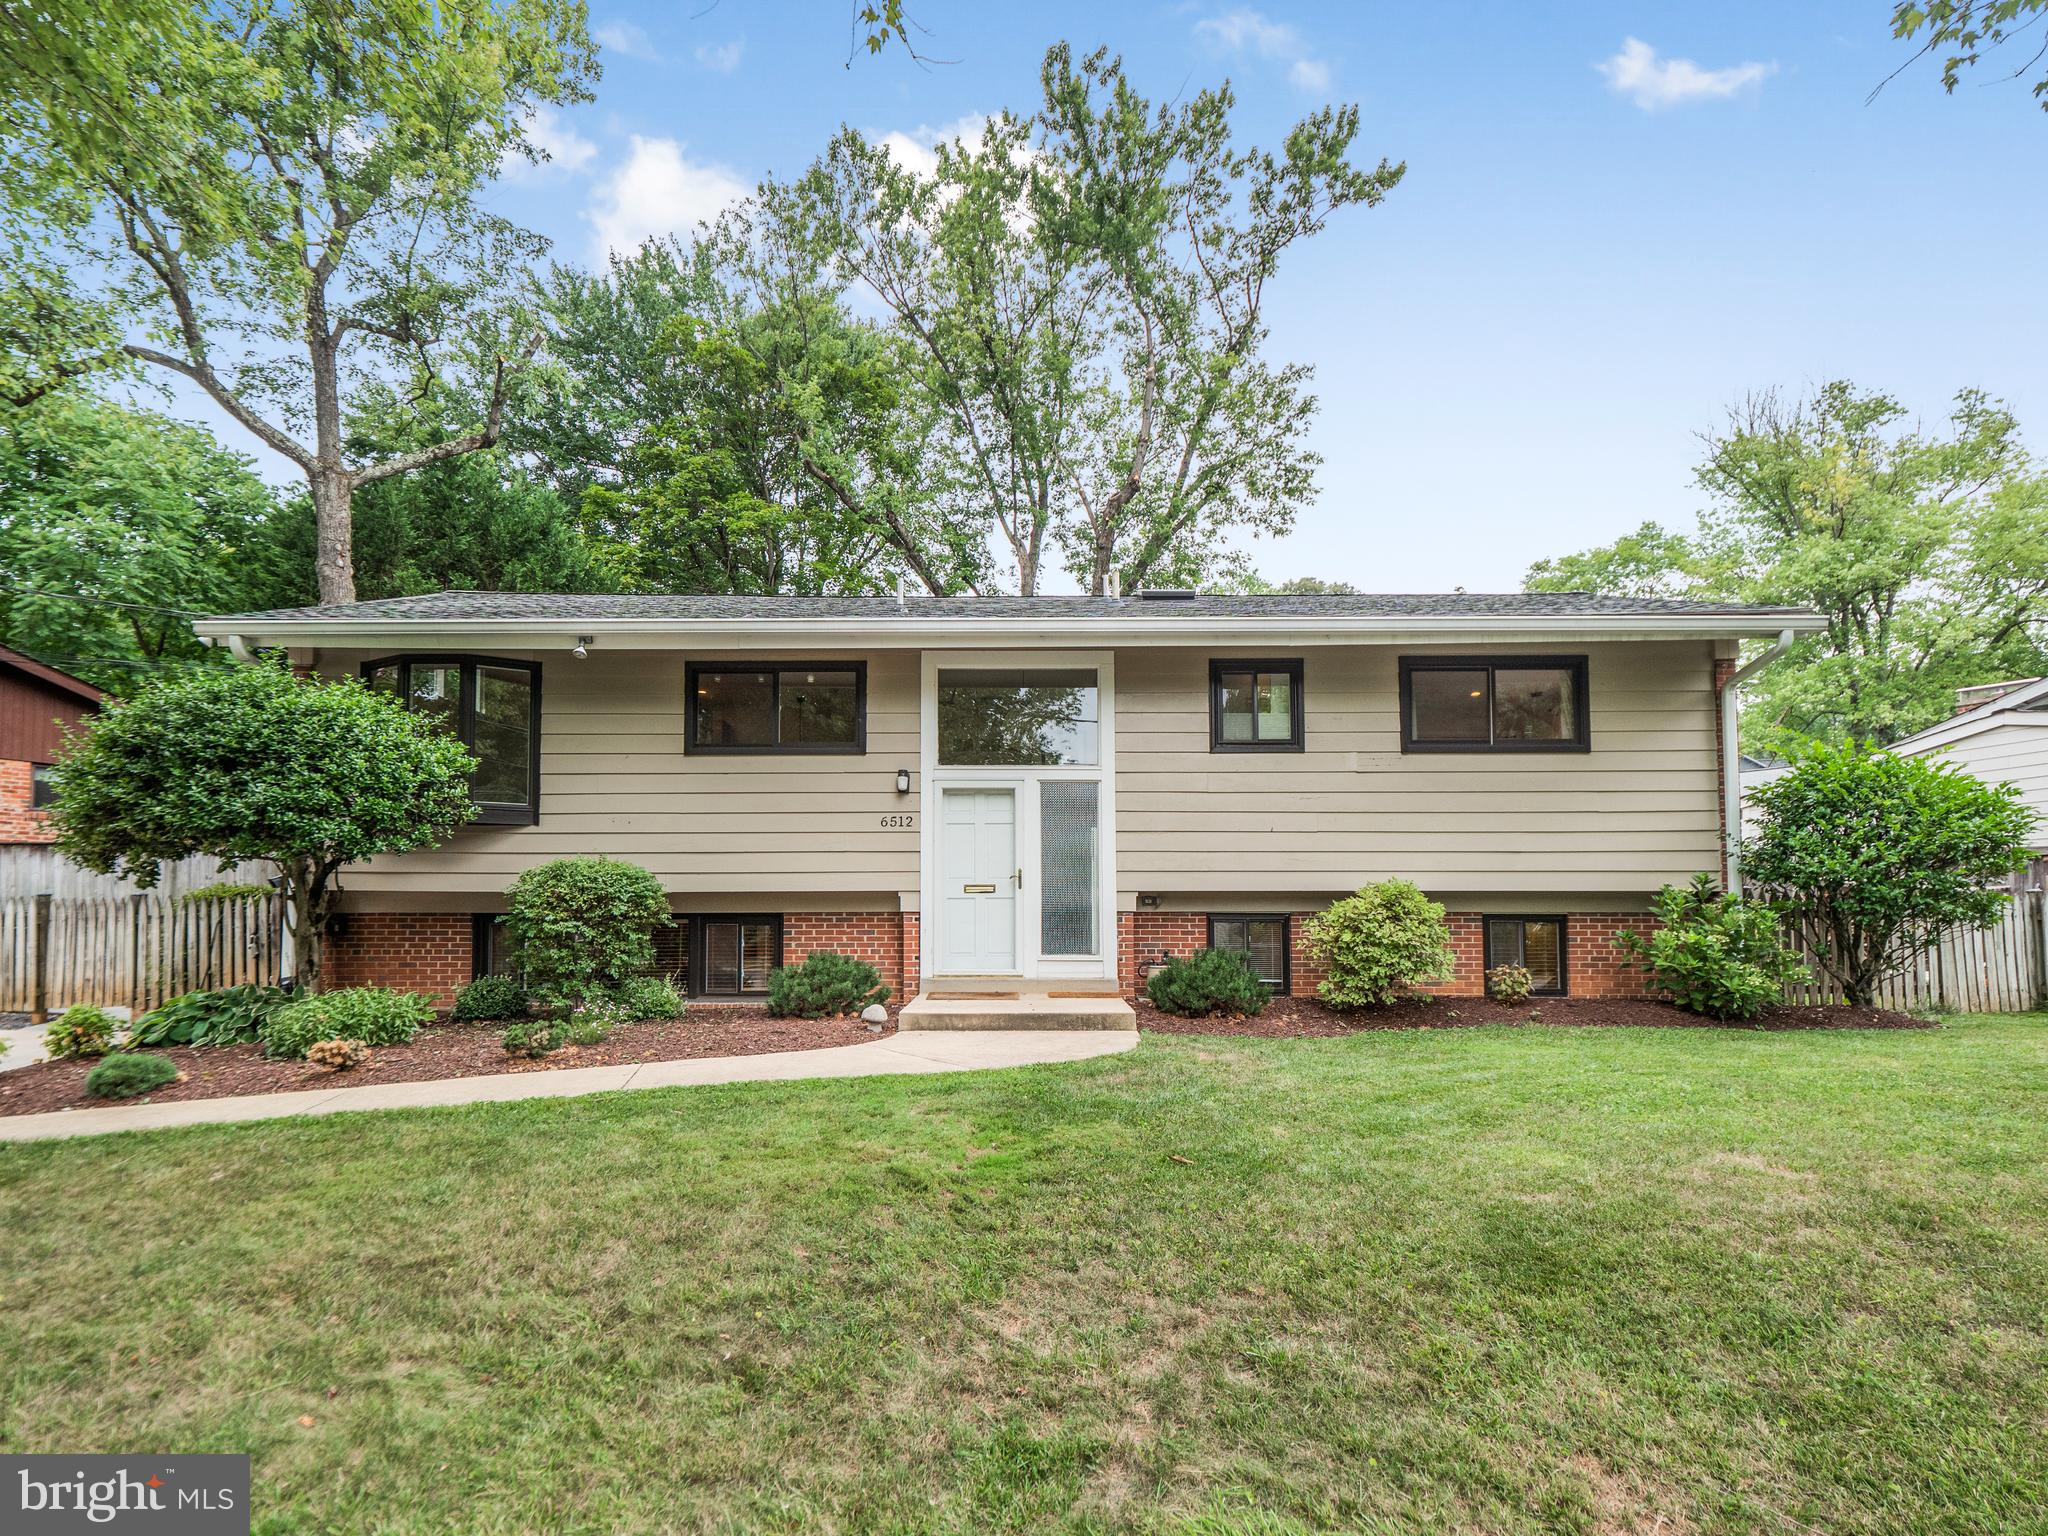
{"x": 583, "y": 644}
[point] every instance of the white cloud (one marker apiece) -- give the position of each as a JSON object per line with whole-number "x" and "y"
{"x": 917, "y": 150}
{"x": 658, "y": 190}
{"x": 565, "y": 148}
{"x": 724, "y": 58}
{"x": 1252, "y": 32}
{"x": 1653, "y": 83}
{"x": 628, "y": 38}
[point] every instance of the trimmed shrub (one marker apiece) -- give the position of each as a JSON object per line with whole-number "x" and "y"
{"x": 824, "y": 984}
{"x": 1715, "y": 954}
{"x": 490, "y": 998}
{"x": 373, "y": 1015}
{"x": 1380, "y": 945}
{"x": 648, "y": 997}
{"x": 127, "y": 1075}
{"x": 1208, "y": 981}
{"x": 1878, "y": 857}
{"x": 535, "y": 1037}
{"x": 337, "y": 1055}
{"x": 1510, "y": 983}
{"x": 224, "y": 1016}
{"x": 582, "y": 927}
{"x": 80, "y": 1031}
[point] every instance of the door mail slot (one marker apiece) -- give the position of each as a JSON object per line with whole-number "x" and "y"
{"x": 977, "y": 890}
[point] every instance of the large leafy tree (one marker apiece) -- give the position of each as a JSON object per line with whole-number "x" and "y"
{"x": 251, "y": 763}
{"x": 1927, "y": 552}
{"x": 724, "y": 424}
{"x": 116, "y": 525}
{"x": 1082, "y": 292}
{"x": 478, "y": 522}
{"x": 1877, "y": 857}
{"x": 295, "y": 213}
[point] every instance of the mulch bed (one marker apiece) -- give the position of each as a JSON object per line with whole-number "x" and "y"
{"x": 445, "y": 1050}
{"x": 1293, "y": 1018}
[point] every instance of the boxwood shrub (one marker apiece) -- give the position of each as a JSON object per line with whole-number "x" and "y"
{"x": 491, "y": 998}
{"x": 126, "y": 1075}
{"x": 582, "y": 927}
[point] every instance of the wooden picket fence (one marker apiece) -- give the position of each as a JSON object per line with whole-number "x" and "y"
{"x": 132, "y": 951}
{"x": 2003, "y": 969}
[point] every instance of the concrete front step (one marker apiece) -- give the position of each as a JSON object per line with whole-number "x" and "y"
{"x": 1027, "y": 1010}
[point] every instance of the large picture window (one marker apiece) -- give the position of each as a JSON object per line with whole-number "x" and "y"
{"x": 1494, "y": 704}
{"x": 1261, "y": 940}
{"x": 1535, "y": 943}
{"x": 774, "y": 707}
{"x": 1034, "y": 717}
{"x": 1255, "y": 706}
{"x": 493, "y": 708}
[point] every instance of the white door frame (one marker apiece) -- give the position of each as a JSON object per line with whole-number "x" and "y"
{"x": 934, "y": 778}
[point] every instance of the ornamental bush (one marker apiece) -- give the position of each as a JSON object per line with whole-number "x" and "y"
{"x": 1715, "y": 954}
{"x": 1874, "y": 857}
{"x": 1510, "y": 983}
{"x": 582, "y": 927}
{"x": 224, "y": 1016}
{"x": 1208, "y": 981}
{"x": 373, "y": 1015}
{"x": 823, "y": 985}
{"x": 80, "y": 1031}
{"x": 490, "y": 998}
{"x": 1380, "y": 944}
{"x": 126, "y": 1075}
{"x": 649, "y": 997}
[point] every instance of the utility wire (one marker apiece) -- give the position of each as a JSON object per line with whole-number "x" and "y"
{"x": 102, "y": 602}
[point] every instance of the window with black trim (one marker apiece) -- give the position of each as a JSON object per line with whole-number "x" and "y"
{"x": 1494, "y": 704}
{"x": 42, "y": 792}
{"x": 730, "y": 956}
{"x": 490, "y": 946}
{"x": 1261, "y": 940}
{"x": 490, "y": 706}
{"x": 762, "y": 707}
{"x": 1534, "y": 943}
{"x": 1255, "y": 706}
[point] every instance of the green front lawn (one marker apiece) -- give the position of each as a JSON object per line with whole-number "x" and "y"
{"x": 1493, "y": 1280}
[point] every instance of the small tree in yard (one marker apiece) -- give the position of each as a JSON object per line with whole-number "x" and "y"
{"x": 252, "y": 763}
{"x": 1877, "y": 857}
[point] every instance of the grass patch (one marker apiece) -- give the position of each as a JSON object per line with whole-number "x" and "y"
{"x": 1497, "y": 1280}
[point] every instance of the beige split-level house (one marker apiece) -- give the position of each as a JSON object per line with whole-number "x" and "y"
{"x": 1053, "y": 791}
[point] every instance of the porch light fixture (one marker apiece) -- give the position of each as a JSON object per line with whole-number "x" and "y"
{"x": 902, "y": 781}
{"x": 583, "y": 644}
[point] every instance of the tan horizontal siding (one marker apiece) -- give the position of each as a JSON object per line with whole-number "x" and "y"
{"x": 1638, "y": 810}
{"x": 616, "y": 780}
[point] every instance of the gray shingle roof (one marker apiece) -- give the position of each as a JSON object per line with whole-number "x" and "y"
{"x": 514, "y": 607}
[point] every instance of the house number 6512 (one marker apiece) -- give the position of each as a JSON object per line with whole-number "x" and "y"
{"x": 899, "y": 821}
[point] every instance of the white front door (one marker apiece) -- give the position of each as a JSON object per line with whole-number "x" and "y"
{"x": 978, "y": 881}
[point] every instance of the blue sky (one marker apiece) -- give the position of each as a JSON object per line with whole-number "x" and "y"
{"x": 1617, "y": 219}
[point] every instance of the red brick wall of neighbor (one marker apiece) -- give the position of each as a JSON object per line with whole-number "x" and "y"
{"x": 19, "y": 821}
{"x": 1594, "y": 967}
{"x": 426, "y": 952}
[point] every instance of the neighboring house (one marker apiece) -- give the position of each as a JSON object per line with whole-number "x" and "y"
{"x": 1999, "y": 733}
{"x": 1057, "y": 790}
{"x": 1757, "y": 771}
{"x": 36, "y": 702}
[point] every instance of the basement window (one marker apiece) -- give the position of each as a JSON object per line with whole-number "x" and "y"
{"x": 1261, "y": 940}
{"x": 1535, "y": 943}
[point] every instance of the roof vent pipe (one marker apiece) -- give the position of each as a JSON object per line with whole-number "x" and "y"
{"x": 903, "y": 589}
{"x": 1113, "y": 584}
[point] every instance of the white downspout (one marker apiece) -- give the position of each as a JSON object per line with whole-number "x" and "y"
{"x": 1731, "y": 757}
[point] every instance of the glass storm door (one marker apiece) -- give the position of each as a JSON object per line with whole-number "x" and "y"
{"x": 978, "y": 881}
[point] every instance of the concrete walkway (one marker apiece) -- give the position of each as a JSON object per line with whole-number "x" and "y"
{"x": 920, "y": 1051}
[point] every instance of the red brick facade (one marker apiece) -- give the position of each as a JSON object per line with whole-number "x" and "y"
{"x": 426, "y": 952}
{"x": 1593, "y": 966}
{"x": 876, "y": 937}
{"x": 20, "y": 822}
